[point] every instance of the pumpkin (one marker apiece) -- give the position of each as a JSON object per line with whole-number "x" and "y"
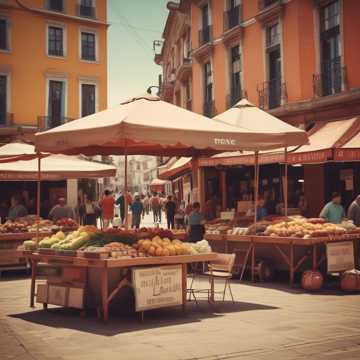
{"x": 350, "y": 280}
{"x": 312, "y": 280}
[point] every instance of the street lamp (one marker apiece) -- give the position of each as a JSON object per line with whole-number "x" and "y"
{"x": 153, "y": 86}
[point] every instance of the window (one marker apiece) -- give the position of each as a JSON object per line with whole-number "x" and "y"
{"x": 273, "y": 54}
{"x": 331, "y": 70}
{"x": 88, "y": 99}
{"x": 3, "y": 99}
{"x": 208, "y": 89}
{"x": 235, "y": 60}
{"x": 55, "y": 5}
{"x": 55, "y": 41}
{"x": 88, "y": 51}
{"x": 205, "y": 32}
{"x": 4, "y": 34}
{"x": 232, "y": 15}
{"x": 56, "y": 103}
{"x": 87, "y": 8}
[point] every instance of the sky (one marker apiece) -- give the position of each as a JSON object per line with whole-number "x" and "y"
{"x": 134, "y": 24}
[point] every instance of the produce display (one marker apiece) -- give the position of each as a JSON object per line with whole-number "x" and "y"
{"x": 67, "y": 223}
{"x": 88, "y": 241}
{"x": 238, "y": 231}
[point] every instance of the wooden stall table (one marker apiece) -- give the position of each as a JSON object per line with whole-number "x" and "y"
{"x": 290, "y": 258}
{"x": 105, "y": 265}
{"x": 10, "y": 258}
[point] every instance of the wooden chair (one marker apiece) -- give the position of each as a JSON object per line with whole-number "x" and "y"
{"x": 222, "y": 269}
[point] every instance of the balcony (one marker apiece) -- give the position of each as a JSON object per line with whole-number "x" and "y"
{"x": 205, "y": 44}
{"x": 232, "y": 24}
{"x": 49, "y": 122}
{"x": 86, "y": 11}
{"x": 184, "y": 70}
{"x": 235, "y": 96}
{"x": 209, "y": 108}
{"x": 272, "y": 94}
{"x": 6, "y": 119}
{"x": 55, "y": 5}
{"x": 269, "y": 10}
{"x": 332, "y": 79}
{"x": 189, "y": 104}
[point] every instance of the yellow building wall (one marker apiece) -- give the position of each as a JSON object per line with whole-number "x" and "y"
{"x": 29, "y": 65}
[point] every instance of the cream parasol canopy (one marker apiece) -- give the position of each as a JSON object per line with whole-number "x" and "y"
{"x": 148, "y": 125}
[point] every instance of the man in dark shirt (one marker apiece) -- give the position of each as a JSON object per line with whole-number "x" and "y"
{"x": 170, "y": 208}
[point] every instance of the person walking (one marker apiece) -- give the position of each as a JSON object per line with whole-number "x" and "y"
{"x": 333, "y": 212}
{"x": 170, "y": 209}
{"x": 121, "y": 203}
{"x": 107, "y": 204}
{"x": 156, "y": 208}
{"x": 137, "y": 208}
{"x": 89, "y": 210}
{"x": 180, "y": 216}
{"x": 354, "y": 211}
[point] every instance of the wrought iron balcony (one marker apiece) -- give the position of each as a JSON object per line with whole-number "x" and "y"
{"x": 86, "y": 11}
{"x": 6, "y": 119}
{"x": 332, "y": 79}
{"x": 209, "y": 108}
{"x": 263, "y": 4}
{"x": 55, "y": 5}
{"x": 272, "y": 94}
{"x": 205, "y": 35}
{"x": 236, "y": 94}
{"x": 189, "y": 104}
{"x": 49, "y": 122}
{"x": 232, "y": 18}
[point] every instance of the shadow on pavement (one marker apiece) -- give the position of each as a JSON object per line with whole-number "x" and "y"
{"x": 70, "y": 319}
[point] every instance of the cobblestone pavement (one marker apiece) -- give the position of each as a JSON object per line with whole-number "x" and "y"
{"x": 272, "y": 322}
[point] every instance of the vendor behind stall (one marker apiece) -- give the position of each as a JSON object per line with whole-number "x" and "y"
{"x": 196, "y": 224}
{"x": 333, "y": 212}
{"x": 261, "y": 211}
{"x": 17, "y": 209}
{"x": 61, "y": 211}
{"x": 354, "y": 211}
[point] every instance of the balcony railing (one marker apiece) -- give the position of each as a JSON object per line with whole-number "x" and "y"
{"x": 209, "y": 108}
{"x": 55, "y": 5}
{"x": 232, "y": 18}
{"x": 332, "y": 79}
{"x": 86, "y": 11}
{"x": 189, "y": 104}
{"x": 236, "y": 94}
{"x": 263, "y": 4}
{"x": 6, "y": 119}
{"x": 272, "y": 94}
{"x": 205, "y": 35}
{"x": 49, "y": 122}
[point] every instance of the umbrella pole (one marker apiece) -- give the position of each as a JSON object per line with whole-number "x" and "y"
{"x": 286, "y": 183}
{"x": 126, "y": 191}
{"x": 38, "y": 198}
{"x": 256, "y": 186}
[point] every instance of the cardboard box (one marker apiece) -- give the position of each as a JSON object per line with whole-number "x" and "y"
{"x": 57, "y": 295}
{"x": 76, "y": 298}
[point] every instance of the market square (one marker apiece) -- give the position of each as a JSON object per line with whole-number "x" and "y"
{"x": 179, "y": 179}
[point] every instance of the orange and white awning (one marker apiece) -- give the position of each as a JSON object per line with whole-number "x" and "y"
{"x": 334, "y": 140}
{"x": 177, "y": 168}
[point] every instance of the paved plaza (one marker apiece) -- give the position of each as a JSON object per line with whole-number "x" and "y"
{"x": 272, "y": 322}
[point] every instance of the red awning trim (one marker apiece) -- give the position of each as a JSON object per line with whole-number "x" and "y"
{"x": 347, "y": 155}
{"x": 170, "y": 174}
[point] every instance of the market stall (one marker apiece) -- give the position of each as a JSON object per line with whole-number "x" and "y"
{"x": 288, "y": 244}
{"x": 147, "y": 125}
{"x": 19, "y": 162}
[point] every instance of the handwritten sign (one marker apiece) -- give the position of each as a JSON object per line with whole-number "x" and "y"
{"x": 340, "y": 256}
{"x": 157, "y": 287}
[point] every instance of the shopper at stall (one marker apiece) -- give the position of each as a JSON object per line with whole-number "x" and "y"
{"x": 17, "y": 209}
{"x": 121, "y": 203}
{"x": 333, "y": 211}
{"x": 354, "y": 211}
{"x": 89, "y": 210}
{"x": 137, "y": 208}
{"x": 61, "y": 211}
{"x": 170, "y": 210}
{"x": 180, "y": 216}
{"x": 210, "y": 210}
{"x": 196, "y": 227}
{"x": 107, "y": 204}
